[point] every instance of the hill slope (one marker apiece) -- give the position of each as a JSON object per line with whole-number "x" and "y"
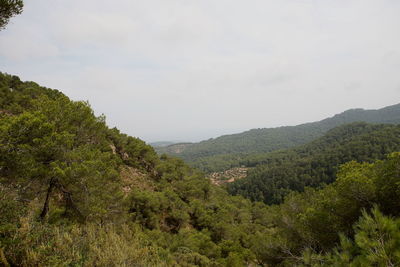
{"x": 225, "y": 151}
{"x": 316, "y": 163}
{"x": 74, "y": 192}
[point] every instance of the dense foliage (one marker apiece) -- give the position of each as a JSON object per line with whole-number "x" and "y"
{"x": 314, "y": 164}
{"x": 232, "y": 150}
{"x": 361, "y": 205}
{"x": 8, "y": 9}
{"x": 74, "y": 192}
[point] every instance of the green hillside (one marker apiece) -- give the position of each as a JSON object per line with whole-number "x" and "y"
{"x": 227, "y": 151}
{"x": 74, "y": 192}
{"x": 77, "y": 193}
{"x": 316, "y": 163}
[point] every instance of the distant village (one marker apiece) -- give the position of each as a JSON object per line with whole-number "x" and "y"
{"x": 228, "y": 176}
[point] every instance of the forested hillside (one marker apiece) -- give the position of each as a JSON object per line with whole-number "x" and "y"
{"x": 227, "y": 151}
{"x": 74, "y": 192}
{"x": 360, "y": 205}
{"x": 278, "y": 173}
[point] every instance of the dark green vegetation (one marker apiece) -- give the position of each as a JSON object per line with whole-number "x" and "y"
{"x": 8, "y": 9}
{"x": 231, "y": 150}
{"x": 74, "y": 192}
{"x": 64, "y": 174}
{"x": 278, "y": 173}
{"x": 362, "y": 205}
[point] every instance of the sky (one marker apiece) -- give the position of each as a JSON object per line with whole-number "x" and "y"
{"x": 188, "y": 70}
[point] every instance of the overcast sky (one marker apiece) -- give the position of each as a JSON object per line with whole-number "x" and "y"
{"x": 189, "y": 70}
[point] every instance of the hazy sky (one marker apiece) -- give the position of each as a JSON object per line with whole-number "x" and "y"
{"x": 194, "y": 69}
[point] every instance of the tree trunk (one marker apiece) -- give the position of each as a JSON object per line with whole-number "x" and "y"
{"x": 70, "y": 206}
{"x": 45, "y": 209}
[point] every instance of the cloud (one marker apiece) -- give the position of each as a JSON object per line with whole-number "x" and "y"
{"x": 25, "y": 44}
{"x": 192, "y": 70}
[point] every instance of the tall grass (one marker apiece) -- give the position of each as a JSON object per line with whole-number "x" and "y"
{"x": 39, "y": 244}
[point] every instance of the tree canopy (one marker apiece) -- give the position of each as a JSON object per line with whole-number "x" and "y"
{"x": 8, "y": 9}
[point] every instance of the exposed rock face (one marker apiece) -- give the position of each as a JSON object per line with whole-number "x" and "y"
{"x": 135, "y": 178}
{"x": 114, "y": 149}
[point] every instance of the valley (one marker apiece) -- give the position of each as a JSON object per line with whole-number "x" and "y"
{"x": 234, "y": 150}
{"x": 75, "y": 192}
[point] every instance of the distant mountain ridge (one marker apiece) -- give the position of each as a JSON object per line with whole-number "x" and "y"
{"x": 228, "y": 148}
{"x": 163, "y": 143}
